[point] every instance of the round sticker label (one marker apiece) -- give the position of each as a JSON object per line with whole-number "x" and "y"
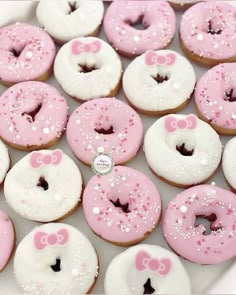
{"x": 102, "y": 163}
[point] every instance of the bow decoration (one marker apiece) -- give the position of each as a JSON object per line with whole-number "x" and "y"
{"x": 42, "y": 240}
{"x": 145, "y": 262}
{"x": 79, "y": 47}
{"x": 172, "y": 124}
{"x": 153, "y": 58}
{"x": 37, "y": 159}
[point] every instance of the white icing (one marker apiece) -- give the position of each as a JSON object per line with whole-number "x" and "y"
{"x": 146, "y": 94}
{"x": 54, "y": 16}
{"x": 122, "y": 278}
{"x": 33, "y": 202}
{"x": 95, "y": 84}
{"x": 4, "y": 161}
{"x": 79, "y": 263}
{"x": 229, "y": 162}
{"x": 167, "y": 162}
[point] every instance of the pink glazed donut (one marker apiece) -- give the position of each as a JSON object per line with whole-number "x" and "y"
{"x": 157, "y": 18}
{"x": 188, "y": 238}
{"x": 123, "y": 207}
{"x": 208, "y": 32}
{"x": 26, "y": 53}
{"x": 104, "y": 125}
{"x": 7, "y": 238}
{"x": 33, "y": 115}
{"x": 215, "y": 98}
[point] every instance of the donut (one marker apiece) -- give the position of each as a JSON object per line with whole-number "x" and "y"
{"x": 146, "y": 269}
{"x": 56, "y": 258}
{"x": 207, "y": 33}
{"x": 123, "y": 207}
{"x": 159, "y": 82}
{"x": 26, "y": 53}
{"x": 228, "y": 163}
{"x": 7, "y": 238}
{"x": 16, "y": 11}
{"x": 33, "y": 115}
{"x": 156, "y": 18}
{"x": 104, "y": 125}
{"x": 88, "y": 68}
{"x": 44, "y": 186}
{"x": 5, "y": 161}
{"x": 188, "y": 237}
{"x": 70, "y": 19}
{"x": 182, "y": 150}
{"x": 215, "y": 97}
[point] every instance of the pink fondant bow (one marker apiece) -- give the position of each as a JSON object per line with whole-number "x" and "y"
{"x": 37, "y": 159}
{"x": 172, "y": 123}
{"x": 41, "y": 239}
{"x": 152, "y": 58}
{"x": 145, "y": 262}
{"x": 79, "y": 47}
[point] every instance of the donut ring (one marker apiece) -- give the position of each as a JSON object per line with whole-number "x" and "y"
{"x": 88, "y": 68}
{"x": 176, "y": 150}
{"x": 7, "y": 237}
{"x": 157, "y": 17}
{"x": 159, "y": 82}
{"x": 96, "y": 126}
{"x": 207, "y": 32}
{"x": 37, "y": 187}
{"x": 215, "y": 98}
{"x": 123, "y": 207}
{"x": 56, "y": 258}
{"x": 188, "y": 239}
{"x": 33, "y": 115}
{"x": 70, "y": 19}
{"x": 26, "y": 53}
{"x": 228, "y": 163}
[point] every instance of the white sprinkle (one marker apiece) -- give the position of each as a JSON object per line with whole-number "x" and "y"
{"x": 180, "y": 221}
{"x": 57, "y": 197}
{"x": 204, "y": 162}
{"x": 136, "y": 39}
{"x": 75, "y": 272}
{"x": 123, "y": 178}
{"x": 213, "y": 183}
{"x": 11, "y": 129}
{"x": 112, "y": 184}
{"x": 96, "y": 210}
{"x": 46, "y": 130}
{"x": 127, "y": 229}
{"x": 109, "y": 224}
{"x": 100, "y": 149}
{"x": 77, "y": 121}
{"x": 200, "y": 37}
{"x": 183, "y": 209}
{"x": 29, "y": 54}
{"x": 34, "y": 128}
{"x": 233, "y": 116}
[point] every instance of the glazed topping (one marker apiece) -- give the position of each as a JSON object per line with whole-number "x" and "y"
{"x": 4, "y": 161}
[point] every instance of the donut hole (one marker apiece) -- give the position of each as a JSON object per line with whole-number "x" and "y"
{"x": 85, "y": 68}
{"x": 105, "y": 131}
{"x": 162, "y": 75}
{"x": 148, "y": 289}
{"x": 123, "y": 207}
{"x": 229, "y": 95}
{"x": 72, "y": 7}
{"x": 57, "y": 266}
{"x": 213, "y": 29}
{"x": 138, "y": 24}
{"x": 30, "y": 116}
{"x": 15, "y": 52}
{"x": 207, "y": 221}
{"x": 160, "y": 79}
{"x": 42, "y": 182}
{"x": 184, "y": 151}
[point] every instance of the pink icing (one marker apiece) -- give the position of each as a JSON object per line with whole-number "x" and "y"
{"x": 104, "y": 113}
{"x": 42, "y": 239}
{"x": 79, "y": 47}
{"x": 35, "y": 48}
{"x": 137, "y": 194}
{"x": 53, "y": 158}
{"x": 172, "y": 124}
{"x": 158, "y": 20}
{"x": 144, "y": 262}
{"x": 195, "y": 30}
{"x": 152, "y": 58}
{"x": 18, "y": 124}
{"x": 7, "y": 238}
{"x": 215, "y": 95}
{"x": 189, "y": 240}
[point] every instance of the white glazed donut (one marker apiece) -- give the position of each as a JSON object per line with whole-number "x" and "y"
{"x": 146, "y": 269}
{"x": 182, "y": 149}
{"x": 88, "y": 68}
{"x": 4, "y": 161}
{"x": 159, "y": 82}
{"x": 70, "y": 19}
{"x": 44, "y": 186}
{"x": 229, "y": 163}
{"x": 56, "y": 258}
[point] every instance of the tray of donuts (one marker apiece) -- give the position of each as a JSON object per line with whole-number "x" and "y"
{"x": 117, "y": 151}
